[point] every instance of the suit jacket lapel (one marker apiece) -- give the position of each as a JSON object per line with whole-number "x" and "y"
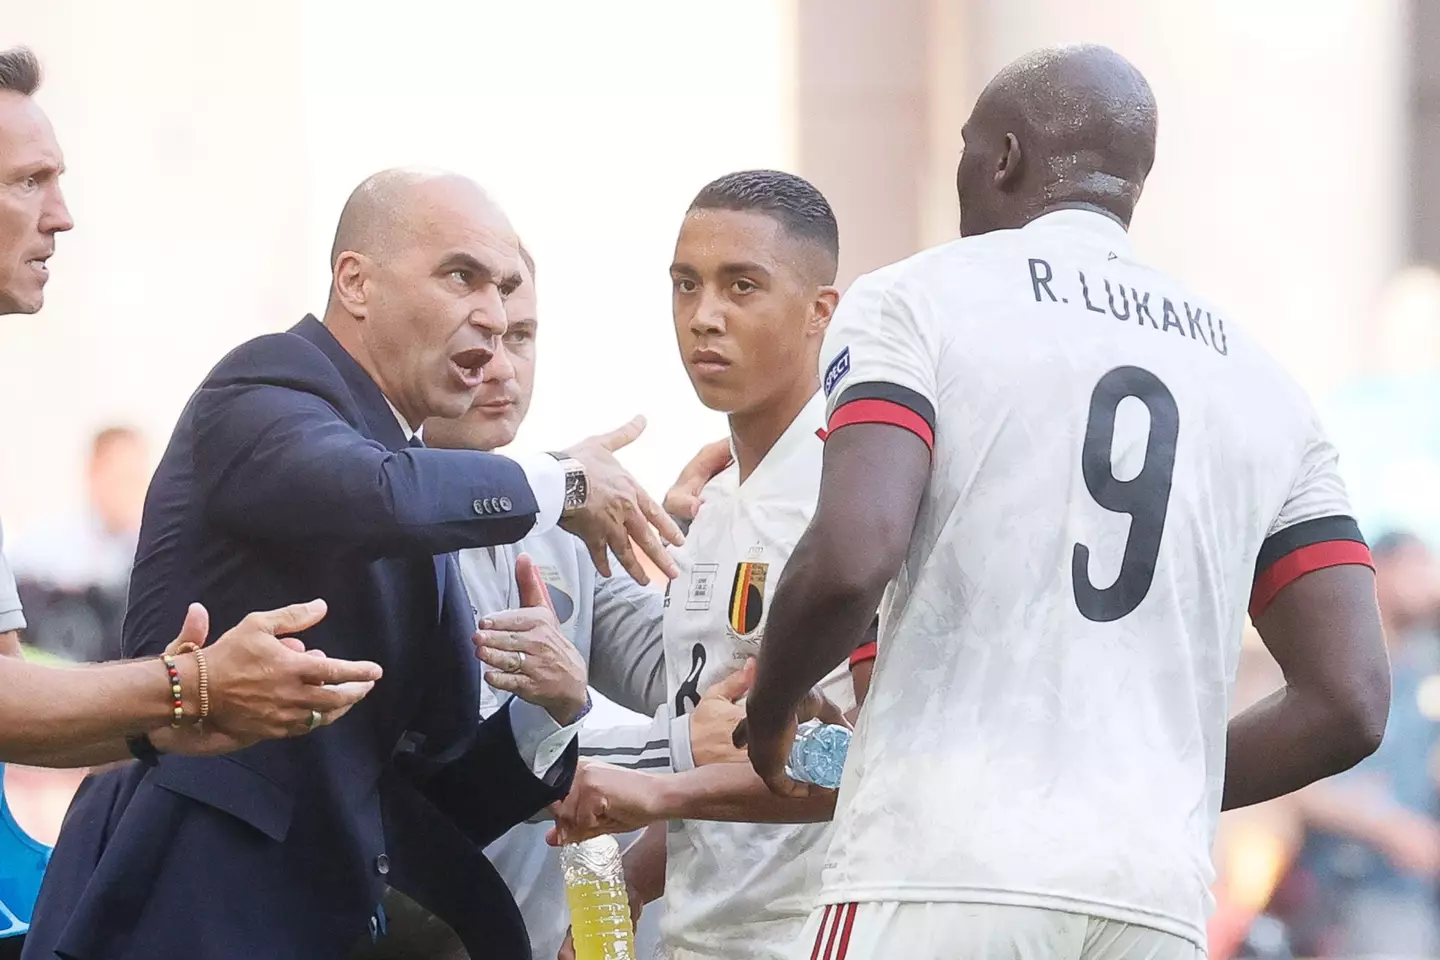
{"x": 380, "y": 423}
{"x": 379, "y": 420}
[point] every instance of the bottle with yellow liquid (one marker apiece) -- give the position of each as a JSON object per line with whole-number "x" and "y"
{"x": 599, "y": 906}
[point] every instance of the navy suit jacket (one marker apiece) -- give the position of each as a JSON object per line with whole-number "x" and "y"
{"x": 288, "y": 478}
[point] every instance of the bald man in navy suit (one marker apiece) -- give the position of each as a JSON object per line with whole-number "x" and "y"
{"x": 296, "y": 471}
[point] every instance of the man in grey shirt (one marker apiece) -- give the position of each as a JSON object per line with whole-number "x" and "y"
{"x": 613, "y": 622}
{"x": 261, "y": 686}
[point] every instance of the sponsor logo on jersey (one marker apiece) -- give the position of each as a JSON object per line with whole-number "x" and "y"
{"x": 560, "y": 599}
{"x": 703, "y": 577}
{"x": 687, "y": 695}
{"x": 747, "y": 597}
{"x": 837, "y": 370}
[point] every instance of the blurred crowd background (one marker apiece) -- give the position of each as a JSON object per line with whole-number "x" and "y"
{"x": 211, "y": 146}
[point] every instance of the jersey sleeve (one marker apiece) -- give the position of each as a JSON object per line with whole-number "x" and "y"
{"x": 637, "y": 746}
{"x": 1315, "y": 528}
{"x": 627, "y": 649}
{"x": 878, "y": 361}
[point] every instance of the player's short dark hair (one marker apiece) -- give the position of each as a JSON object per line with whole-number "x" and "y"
{"x": 20, "y": 71}
{"x": 791, "y": 201}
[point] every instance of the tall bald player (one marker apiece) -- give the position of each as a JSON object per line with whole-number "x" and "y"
{"x": 1072, "y": 476}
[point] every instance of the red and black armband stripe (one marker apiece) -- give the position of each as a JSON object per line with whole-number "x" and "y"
{"x": 867, "y": 652}
{"x": 1304, "y": 548}
{"x": 869, "y": 646}
{"x": 885, "y": 403}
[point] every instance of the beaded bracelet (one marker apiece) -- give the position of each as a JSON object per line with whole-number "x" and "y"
{"x": 204, "y": 684}
{"x": 174, "y": 672}
{"x": 204, "y": 668}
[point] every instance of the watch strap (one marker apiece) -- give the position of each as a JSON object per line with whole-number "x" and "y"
{"x": 577, "y": 483}
{"x": 142, "y": 749}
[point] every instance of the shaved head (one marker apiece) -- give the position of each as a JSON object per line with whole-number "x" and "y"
{"x": 389, "y": 209}
{"x": 422, "y": 264}
{"x": 1070, "y": 126}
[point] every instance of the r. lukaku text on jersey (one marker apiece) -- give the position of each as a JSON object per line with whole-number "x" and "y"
{"x": 1127, "y": 303}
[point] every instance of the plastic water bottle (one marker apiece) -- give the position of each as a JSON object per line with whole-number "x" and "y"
{"x": 818, "y": 754}
{"x": 600, "y": 921}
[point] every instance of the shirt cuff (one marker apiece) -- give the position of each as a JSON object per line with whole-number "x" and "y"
{"x": 681, "y": 756}
{"x": 12, "y": 620}
{"x": 540, "y": 741}
{"x": 547, "y": 482}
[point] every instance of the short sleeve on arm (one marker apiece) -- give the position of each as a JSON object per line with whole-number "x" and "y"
{"x": 11, "y": 617}
{"x": 878, "y": 361}
{"x": 1315, "y": 528}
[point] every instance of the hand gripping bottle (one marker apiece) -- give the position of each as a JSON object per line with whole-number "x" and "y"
{"x": 818, "y": 754}
{"x": 600, "y": 921}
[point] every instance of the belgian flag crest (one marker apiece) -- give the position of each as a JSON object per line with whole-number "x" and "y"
{"x": 747, "y": 597}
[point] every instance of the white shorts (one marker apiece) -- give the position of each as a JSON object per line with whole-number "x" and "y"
{"x": 978, "y": 931}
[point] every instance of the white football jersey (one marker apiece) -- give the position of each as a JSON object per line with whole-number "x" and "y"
{"x": 1117, "y": 472}
{"x": 740, "y": 889}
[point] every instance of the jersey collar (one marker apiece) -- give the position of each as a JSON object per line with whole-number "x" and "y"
{"x": 1084, "y": 221}
{"x": 807, "y": 427}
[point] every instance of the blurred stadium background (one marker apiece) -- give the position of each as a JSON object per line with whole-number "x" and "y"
{"x": 211, "y": 146}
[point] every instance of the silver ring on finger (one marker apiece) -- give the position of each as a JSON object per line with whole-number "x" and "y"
{"x": 313, "y": 721}
{"x": 519, "y": 661}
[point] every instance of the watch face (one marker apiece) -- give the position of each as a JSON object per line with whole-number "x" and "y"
{"x": 577, "y": 489}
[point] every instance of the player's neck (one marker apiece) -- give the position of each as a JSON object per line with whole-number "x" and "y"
{"x": 754, "y": 432}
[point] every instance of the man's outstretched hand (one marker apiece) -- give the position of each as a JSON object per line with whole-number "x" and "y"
{"x": 263, "y": 683}
{"x": 607, "y": 799}
{"x": 618, "y": 514}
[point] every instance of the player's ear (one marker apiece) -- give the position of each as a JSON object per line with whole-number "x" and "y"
{"x": 1007, "y": 172}
{"x": 822, "y": 308}
{"x": 349, "y": 286}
